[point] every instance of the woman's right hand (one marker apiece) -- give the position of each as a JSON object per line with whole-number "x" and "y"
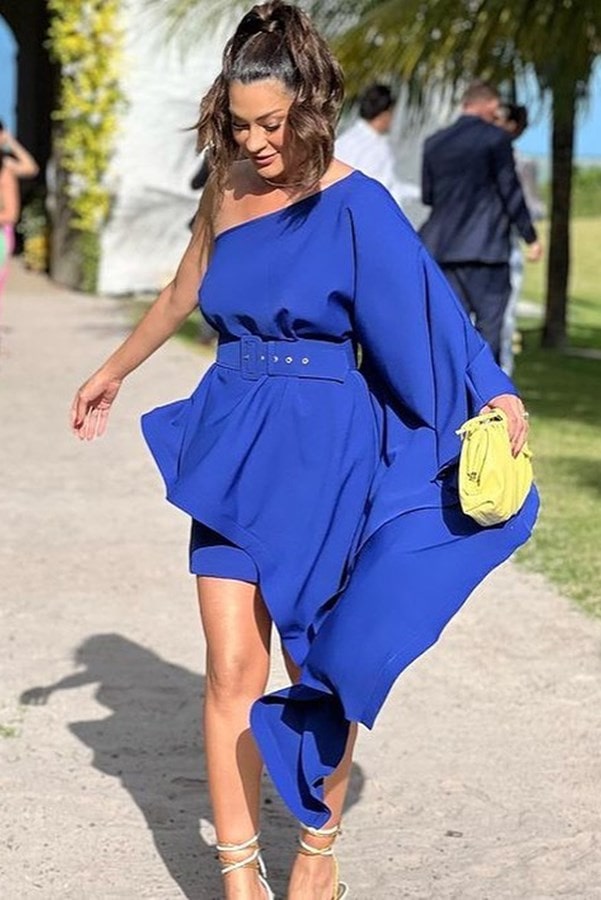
{"x": 92, "y": 404}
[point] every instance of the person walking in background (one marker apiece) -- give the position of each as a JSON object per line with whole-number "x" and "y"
{"x": 513, "y": 118}
{"x": 366, "y": 144}
{"x": 470, "y": 182}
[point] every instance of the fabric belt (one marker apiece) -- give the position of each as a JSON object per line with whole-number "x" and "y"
{"x": 254, "y": 357}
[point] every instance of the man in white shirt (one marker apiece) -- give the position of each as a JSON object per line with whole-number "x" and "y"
{"x": 366, "y": 145}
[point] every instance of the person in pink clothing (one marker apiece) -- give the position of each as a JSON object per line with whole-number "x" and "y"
{"x": 9, "y": 213}
{"x": 15, "y": 163}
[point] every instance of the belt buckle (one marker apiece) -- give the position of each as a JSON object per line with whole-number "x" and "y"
{"x": 252, "y": 357}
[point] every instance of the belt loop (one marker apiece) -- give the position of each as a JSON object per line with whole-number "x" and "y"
{"x": 253, "y": 361}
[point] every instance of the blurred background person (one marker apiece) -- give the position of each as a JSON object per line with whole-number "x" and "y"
{"x": 9, "y": 213}
{"x": 15, "y": 162}
{"x": 18, "y": 160}
{"x": 470, "y": 182}
{"x": 366, "y": 144}
{"x": 513, "y": 118}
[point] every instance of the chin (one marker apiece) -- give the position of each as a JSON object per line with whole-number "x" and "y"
{"x": 274, "y": 172}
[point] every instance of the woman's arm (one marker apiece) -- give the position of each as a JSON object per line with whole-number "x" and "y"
{"x": 174, "y": 304}
{"x": 10, "y": 203}
{"x": 23, "y": 165}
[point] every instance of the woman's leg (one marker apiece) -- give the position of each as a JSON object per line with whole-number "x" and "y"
{"x": 237, "y": 628}
{"x": 312, "y": 876}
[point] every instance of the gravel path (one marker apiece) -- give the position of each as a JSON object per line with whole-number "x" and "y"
{"x": 481, "y": 781}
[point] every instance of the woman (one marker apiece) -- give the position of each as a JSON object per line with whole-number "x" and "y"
{"x": 15, "y": 162}
{"x": 303, "y": 477}
{"x": 9, "y": 213}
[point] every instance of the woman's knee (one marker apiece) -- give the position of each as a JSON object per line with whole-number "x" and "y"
{"x": 235, "y": 676}
{"x": 237, "y": 628}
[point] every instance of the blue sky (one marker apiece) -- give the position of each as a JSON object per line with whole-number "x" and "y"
{"x": 536, "y": 140}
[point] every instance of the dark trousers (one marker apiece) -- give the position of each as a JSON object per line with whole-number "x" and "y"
{"x": 484, "y": 291}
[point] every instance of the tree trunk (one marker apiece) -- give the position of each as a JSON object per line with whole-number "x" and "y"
{"x": 558, "y": 257}
{"x": 65, "y": 256}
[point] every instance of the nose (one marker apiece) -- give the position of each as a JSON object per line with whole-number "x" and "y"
{"x": 256, "y": 140}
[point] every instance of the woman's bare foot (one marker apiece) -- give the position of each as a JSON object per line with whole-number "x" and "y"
{"x": 242, "y": 883}
{"x": 315, "y": 871}
{"x": 312, "y": 878}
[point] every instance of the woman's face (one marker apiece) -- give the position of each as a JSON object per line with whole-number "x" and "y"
{"x": 259, "y": 113}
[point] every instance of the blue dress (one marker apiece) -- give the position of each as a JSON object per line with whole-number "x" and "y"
{"x": 339, "y": 483}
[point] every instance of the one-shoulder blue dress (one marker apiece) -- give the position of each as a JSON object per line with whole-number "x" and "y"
{"x": 338, "y": 482}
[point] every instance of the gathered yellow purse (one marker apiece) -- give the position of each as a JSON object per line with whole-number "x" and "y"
{"x": 493, "y": 484}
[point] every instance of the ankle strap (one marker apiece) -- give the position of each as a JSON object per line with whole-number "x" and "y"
{"x": 322, "y": 832}
{"x": 310, "y": 850}
{"x": 233, "y": 848}
{"x": 252, "y": 860}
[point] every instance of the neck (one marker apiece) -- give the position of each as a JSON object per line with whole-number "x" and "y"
{"x": 376, "y": 125}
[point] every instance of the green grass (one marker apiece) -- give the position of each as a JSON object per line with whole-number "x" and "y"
{"x": 585, "y": 282}
{"x": 562, "y": 392}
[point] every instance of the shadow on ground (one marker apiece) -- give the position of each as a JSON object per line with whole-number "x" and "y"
{"x": 151, "y": 742}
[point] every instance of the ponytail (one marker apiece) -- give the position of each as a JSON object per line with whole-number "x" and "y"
{"x": 276, "y": 40}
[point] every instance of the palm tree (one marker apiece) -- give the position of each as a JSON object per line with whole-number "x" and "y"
{"x": 434, "y": 46}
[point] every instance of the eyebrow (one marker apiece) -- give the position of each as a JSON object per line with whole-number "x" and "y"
{"x": 266, "y": 115}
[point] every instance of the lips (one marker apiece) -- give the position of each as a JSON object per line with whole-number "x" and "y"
{"x": 262, "y": 161}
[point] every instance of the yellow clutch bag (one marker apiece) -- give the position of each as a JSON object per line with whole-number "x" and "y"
{"x": 493, "y": 484}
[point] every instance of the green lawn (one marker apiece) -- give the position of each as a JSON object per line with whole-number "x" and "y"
{"x": 585, "y": 282}
{"x": 562, "y": 393}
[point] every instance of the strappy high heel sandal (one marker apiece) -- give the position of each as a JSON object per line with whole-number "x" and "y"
{"x": 252, "y": 861}
{"x": 340, "y": 889}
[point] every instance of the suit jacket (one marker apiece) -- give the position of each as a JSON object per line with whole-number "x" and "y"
{"x": 470, "y": 181}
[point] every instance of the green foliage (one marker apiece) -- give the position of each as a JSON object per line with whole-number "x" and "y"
{"x": 438, "y": 44}
{"x": 85, "y": 39}
{"x": 34, "y": 228}
{"x": 88, "y": 245}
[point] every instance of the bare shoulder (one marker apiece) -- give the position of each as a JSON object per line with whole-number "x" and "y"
{"x": 239, "y": 195}
{"x": 241, "y": 180}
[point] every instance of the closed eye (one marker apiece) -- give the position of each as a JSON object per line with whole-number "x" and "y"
{"x": 243, "y": 126}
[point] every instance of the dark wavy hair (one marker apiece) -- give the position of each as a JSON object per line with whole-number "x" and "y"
{"x": 375, "y": 99}
{"x": 277, "y": 40}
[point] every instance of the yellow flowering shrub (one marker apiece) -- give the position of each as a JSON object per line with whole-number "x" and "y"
{"x": 85, "y": 39}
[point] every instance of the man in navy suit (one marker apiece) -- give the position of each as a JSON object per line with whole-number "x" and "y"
{"x": 469, "y": 180}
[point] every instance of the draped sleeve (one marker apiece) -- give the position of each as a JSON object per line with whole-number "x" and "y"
{"x": 418, "y": 558}
{"x": 417, "y": 341}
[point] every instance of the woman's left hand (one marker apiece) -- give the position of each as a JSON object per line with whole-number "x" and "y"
{"x": 517, "y": 418}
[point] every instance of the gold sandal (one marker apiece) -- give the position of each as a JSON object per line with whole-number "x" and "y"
{"x": 253, "y": 861}
{"x": 340, "y": 889}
